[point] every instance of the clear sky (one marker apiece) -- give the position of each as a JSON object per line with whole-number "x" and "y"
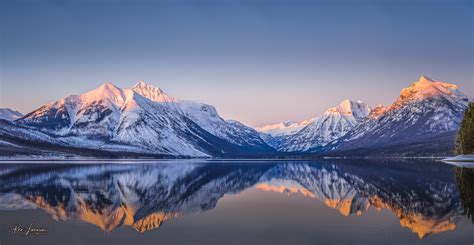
{"x": 257, "y": 61}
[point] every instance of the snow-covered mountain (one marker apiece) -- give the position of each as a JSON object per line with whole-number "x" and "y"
{"x": 9, "y": 114}
{"x": 205, "y": 116}
{"x": 331, "y": 125}
{"x": 146, "y": 121}
{"x": 422, "y": 121}
{"x": 153, "y": 93}
{"x": 143, "y": 119}
{"x": 427, "y": 113}
{"x": 283, "y": 128}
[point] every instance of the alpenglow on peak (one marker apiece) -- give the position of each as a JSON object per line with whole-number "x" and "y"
{"x": 426, "y": 87}
{"x": 153, "y": 93}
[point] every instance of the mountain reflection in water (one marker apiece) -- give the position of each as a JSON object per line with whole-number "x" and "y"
{"x": 425, "y": 196}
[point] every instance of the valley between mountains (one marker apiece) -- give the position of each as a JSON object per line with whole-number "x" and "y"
{"x": 144, "y": 121}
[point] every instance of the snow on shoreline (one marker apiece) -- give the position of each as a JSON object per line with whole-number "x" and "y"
{"x": 461, "y": 160}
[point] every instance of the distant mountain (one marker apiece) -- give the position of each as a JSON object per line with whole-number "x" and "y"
{"x": 143, "y": 120}
{"x": 9, "y": 114}
{"x": 426, "y": 115}
{"x": 331, "y": 125}
{"x": 284, "y": 128}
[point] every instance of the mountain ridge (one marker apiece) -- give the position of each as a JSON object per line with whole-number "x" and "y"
{"x": 9, "y": 114}
{"x": 332, "y": 124}
{"x": 424, "y": 110}
{"x": 111, "y": 118}
{"x": 145, "y": 120}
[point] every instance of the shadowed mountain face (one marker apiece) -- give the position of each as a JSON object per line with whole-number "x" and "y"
{"x": 424, "y": 196}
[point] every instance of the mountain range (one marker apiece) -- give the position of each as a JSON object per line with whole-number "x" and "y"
{"x": 144, "y": 121}
{"x": 424, "y": 121}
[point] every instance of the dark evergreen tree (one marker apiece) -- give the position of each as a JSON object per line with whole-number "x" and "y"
{"x": 465, "y": 137}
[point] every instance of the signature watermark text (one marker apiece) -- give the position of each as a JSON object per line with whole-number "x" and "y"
{"x": 29, "y": 230}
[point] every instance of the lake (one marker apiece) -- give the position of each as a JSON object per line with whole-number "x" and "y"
{"x": 236, "y": 202}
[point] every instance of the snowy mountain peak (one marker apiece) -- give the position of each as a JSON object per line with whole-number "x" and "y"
{"x": 141, "y": 83}
{"x": 331, "y": 125}
{"x": 152, "y": 93}
{"x": 108, "y": 87}
{"x": 9, "y": 114}
{"x": 426, "y": 87}
{"x": 424, "y": 79}
{"x": 107, "y": 93}
{"x": 347, "y": 107}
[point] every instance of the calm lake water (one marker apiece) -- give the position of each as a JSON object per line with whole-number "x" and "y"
{"x": 237, "y": 202}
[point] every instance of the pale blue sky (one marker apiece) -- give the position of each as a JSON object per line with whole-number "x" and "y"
{"x": 257, "y": 61}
